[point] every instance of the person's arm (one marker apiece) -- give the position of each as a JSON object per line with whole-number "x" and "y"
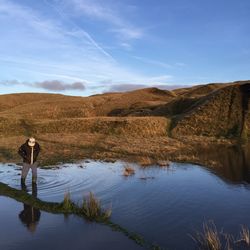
{"x": 22, "y": 152}
{"x": 38, "y": 149}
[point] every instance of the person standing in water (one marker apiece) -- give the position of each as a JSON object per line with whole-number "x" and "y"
{"x": 29, "y": 152}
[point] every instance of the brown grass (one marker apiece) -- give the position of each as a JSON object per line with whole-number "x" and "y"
{"x": 67, "y": 203}
{"x": 209, "y": 238}
{"x": 245, "y": 235}
{"x": 64, "y": 147}
{"x": 49, "y": 106}
{"x": 92, "y": 208}
{"x": 125, "y": 126}
{"x": 218, "y": 114}
{"x": 145, "y": 161}
{"x": 128, "y": 171}
{"x": 162, "y": 163}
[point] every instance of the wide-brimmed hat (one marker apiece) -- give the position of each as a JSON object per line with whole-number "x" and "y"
{"x": 31, "y": 142}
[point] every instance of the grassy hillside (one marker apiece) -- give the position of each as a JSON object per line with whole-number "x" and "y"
{"x": 10, "y": 101}
{"x": 127, "y": 126}
{"x": 142, "y": 123}
{"x": 208, "y": 110}
{"x": 221, "y": 114}
{"x": 200, "y": 90}
{"x": 49, "y": 106}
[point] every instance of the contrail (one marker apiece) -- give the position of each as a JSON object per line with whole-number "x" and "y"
{"x": 84, "y": 33}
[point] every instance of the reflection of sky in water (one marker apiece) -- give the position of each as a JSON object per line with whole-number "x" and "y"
{"x": 172, "y": 204}
{"x": 55, "y": 232}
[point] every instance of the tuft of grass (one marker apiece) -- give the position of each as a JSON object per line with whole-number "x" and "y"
{"x": 229, "y": 241}
{"x": 90, "y": 209}
{"x": 93, "y": 210}
{"x": 6, "y": 153}
{"x": 145, "y": 161}
{"x": 209, "y": 239}
{"x": 163, "y": 163}
{"x": 128, "y": 171}
{"x": 68, "y": 204}
{"x": 245, "y": 235}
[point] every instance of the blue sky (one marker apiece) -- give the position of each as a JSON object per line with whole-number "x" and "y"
{"x": 83, "y": 47}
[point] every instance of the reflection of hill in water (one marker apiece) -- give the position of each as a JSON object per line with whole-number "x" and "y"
{"x": 230, "y": 163}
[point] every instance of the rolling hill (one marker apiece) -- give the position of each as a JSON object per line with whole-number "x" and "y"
{"x": 219, "y": 110}
{"x": 140, "y": 118}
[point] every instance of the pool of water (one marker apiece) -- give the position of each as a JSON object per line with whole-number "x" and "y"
{"x": 54, "y": 232}
{"x": 163, "y": 204}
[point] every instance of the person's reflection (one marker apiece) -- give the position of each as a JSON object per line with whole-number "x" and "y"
{"x": 30, "y": 216}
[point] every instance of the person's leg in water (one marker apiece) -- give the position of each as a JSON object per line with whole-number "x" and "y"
{"x": 25, "y": 170}
{"x": 34, "y": 172}
{"x": 23, "y": 186}
{"x": 34, "y": 189}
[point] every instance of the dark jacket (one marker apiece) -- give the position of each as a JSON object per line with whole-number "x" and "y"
{"x": 25, "y": 152}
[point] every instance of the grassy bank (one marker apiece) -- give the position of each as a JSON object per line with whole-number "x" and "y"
{"x": 145, "y": 150}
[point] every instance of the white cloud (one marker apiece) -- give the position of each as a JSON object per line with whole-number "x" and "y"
{"x": 51, "y": 85}
{"x": 127, "y": 33}
{"x": 130, "y": 87}
{"x": 36, "y": 48}
{"x": 98, "y": 10}
{"x": 158, "y": 79}
{"x": 55, "y": 85}
{"x": 153, "y": 62}
{"x": 180, "y": 64}
{"x": 48, "y": 29}
{"x": 159, "y": 63}
{"x": 126, "y": 46}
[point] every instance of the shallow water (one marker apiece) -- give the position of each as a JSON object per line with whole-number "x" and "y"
{"x": 164, "y": 205}
{"x": 55, "y": 232}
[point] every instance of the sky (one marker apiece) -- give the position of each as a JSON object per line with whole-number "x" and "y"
{"x": 85, "y": 47}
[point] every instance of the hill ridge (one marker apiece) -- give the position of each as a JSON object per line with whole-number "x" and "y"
{"x": 213, "y": 110}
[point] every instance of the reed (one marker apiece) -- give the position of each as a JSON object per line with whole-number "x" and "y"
{"x": 93, "y": 210}
{"x": 162, "y": 163}
{"x": 90, "y": 208}
{"x": 128, "y": 171}
{"x": 145, "y": 161}
{"x": 209, "y": 238}
{"x": 245, "y": 235}
{"x": 68, "y": 205}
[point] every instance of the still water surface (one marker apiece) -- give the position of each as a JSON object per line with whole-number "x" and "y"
{"x": 164, "y": 205}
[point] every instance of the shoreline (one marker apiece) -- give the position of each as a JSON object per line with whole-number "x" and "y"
{"x": 69, "y": 148}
